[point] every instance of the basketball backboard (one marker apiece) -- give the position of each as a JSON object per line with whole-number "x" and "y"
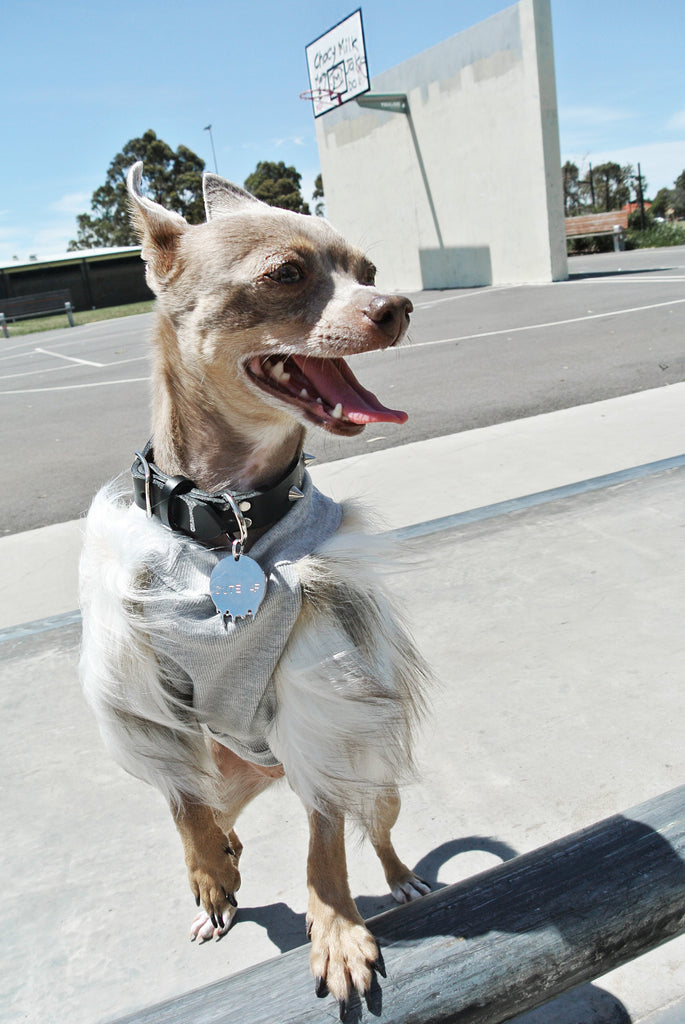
{"x": 336, "y": 62}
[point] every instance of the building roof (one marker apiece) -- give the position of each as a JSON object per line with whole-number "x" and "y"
{"x": 92, "y": 255}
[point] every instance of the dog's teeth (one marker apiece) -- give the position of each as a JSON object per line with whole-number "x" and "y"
{"x": 337, "y": 412}
{"x": 319, "y": 399}
{"x": 304, "y": 393}
{"x": 279, "y": 372}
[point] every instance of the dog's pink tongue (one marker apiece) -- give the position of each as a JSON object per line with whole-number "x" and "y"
{"x": 334, "y": 381}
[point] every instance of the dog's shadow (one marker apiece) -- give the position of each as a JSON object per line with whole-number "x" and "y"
{"x": 287, "y": 930}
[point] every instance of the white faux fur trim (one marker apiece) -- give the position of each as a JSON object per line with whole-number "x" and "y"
{"x": 349, "y": 685}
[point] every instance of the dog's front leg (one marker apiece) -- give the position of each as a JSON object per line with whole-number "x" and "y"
{"x": 404, "y": 884}
{"x": 211, "y": 861}
{"x": 344, "y": 953}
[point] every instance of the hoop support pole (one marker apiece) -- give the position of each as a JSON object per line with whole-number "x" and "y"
{"x": 396, "y": 102}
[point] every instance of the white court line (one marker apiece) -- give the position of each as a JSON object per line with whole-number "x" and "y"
{"x": 487, "y": 289}
{"x": 551, "y": 323}
{"x": 75, "y": 387}
{"x": 96, "y": 329}
{"x": 625, "y": 280}
{"x": 59, "y": 369}
{"x": 70, "y": 359}
{"x": 123, "y": 362}
{"x": 453, "y": 298}
{"x": 34, "y": 373}
{"x": 418, "y": 344}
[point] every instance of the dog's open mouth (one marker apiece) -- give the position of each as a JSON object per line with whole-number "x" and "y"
{"x": 325, "y": 390}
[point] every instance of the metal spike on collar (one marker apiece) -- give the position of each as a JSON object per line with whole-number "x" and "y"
{"x": 294, "y": 494}
{"x": 308, "y": 458}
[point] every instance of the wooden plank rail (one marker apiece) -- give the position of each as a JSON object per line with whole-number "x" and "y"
{"x": 40, "y": 304}
{"x": 596, "y": 223}
{"x": 494, "y": 945}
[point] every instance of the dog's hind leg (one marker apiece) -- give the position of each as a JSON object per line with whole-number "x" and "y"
{"x": 344, "y": 953}
{"x": 211, "y": 845}
{"x": 404, "y": 884}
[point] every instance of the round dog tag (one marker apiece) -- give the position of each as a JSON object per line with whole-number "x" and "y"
{"x": 237, "y": 586}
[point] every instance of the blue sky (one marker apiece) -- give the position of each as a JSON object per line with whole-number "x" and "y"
{"x": 81, "y": 78}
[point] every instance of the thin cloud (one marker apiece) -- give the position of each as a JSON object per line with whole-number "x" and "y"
{"x": 73, "y": 203}
{"x": 290, "y": 140}
{"x": 592, "y": 116}
{"x": 676, "y": 122}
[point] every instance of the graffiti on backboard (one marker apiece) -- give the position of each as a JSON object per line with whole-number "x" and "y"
{"x": 337, "y": 65}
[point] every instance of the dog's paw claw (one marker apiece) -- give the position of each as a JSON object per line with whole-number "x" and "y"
{"x": 320, "y": 988}
{"x": 410, "y": 888}
{"x": 206, "y": 926}
{"x": 343, "y": 958}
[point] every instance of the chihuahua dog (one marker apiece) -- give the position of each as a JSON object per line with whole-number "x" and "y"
{"x": 236, "y": 625}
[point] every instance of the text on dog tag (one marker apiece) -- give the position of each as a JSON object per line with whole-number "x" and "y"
{"x": 237, "y": 587}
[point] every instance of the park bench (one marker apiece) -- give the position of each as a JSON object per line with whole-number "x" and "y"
{"x": 613, "y": 223}
{"x": 41, "y": 304}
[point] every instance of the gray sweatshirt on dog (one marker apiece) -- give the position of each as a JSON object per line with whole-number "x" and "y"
{"x": 224, "y": 669}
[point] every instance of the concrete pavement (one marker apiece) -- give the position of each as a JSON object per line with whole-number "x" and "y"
{"x": 556, "y": 632}
{"x": 411, "y": 484}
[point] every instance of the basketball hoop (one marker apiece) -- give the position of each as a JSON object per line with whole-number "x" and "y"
{"x": 336, "y": 63}
{"x": 322, "y": 96}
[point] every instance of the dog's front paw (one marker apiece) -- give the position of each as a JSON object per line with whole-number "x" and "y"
{"x": 408, "y": 887}
{"x": 214, "y": 879}
{"x": 344, "y": 955}
{"x": 203, "y": 928}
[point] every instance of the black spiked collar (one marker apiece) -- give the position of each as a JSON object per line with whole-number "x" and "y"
{"x": 181, "y": 506}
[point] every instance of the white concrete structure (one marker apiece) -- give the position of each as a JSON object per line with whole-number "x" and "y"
{"x": 465, "y": 189}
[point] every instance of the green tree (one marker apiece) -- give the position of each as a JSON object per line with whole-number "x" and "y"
{"x": 318, "y": 194}
{"x": 612, "y": 185}
{"x": 634, "y": 183}
{"x": 573, "y": 192}
{"x": 170, "y": 177}
{"x": 679, "y": 196}
{"x": 277, "y": 185}
{"x": 663, "y": 202}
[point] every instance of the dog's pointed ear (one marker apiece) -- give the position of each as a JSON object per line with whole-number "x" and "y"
{"x": 160, "y": 230}
{"x": 223, "y": 197}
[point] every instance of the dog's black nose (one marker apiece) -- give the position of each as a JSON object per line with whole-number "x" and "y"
{"x": 390, "y": 313}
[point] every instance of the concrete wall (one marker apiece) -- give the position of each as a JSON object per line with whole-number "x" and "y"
{"x": 466, "y": 190}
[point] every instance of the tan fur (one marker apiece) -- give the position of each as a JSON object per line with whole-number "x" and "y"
{"x": 222, "y": 301}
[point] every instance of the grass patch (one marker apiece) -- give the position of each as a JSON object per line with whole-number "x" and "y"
{"x": 84, "y": 316}
{"x": 656, "y": 236}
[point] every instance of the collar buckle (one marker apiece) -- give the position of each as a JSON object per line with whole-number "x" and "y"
{"x": 148, "y": 476}
{"x": 183, "y": 507}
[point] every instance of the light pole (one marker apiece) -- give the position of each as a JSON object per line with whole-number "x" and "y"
{"x": 208, "y": 128}
{"x": 641, "y": 198}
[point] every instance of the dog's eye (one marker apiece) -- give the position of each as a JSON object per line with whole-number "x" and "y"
{"x": 288, "y": 273}
{"x": 368, "y": 274}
